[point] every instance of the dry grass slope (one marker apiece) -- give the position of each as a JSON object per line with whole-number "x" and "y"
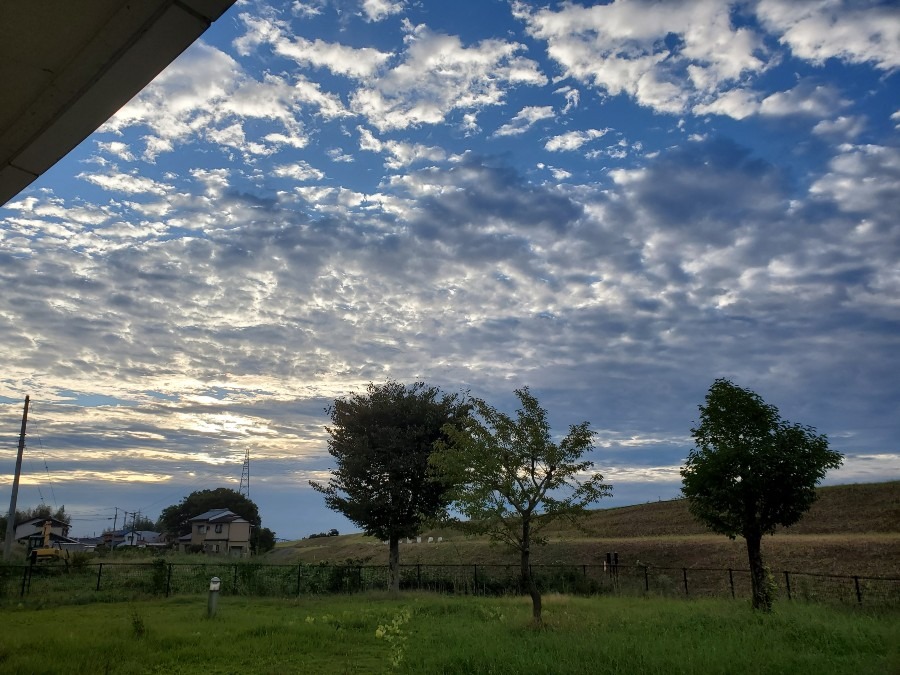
{"x": 851, "y": 529}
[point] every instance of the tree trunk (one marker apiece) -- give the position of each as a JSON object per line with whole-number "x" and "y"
{"x": 527, "y": 578}
{"x": 762, "y": 598}
{"x": 394, "y": 563}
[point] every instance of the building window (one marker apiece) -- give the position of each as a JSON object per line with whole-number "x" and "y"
{"x": 217, "y": 548}
{"x": 201, "y": 529}
{"x": 219, "y": 528}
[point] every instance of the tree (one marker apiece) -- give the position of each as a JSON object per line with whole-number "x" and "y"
{"x": 176, "y": 519}
{"x": 265, "y": 540}
{"x": 138, "y": 523}
{"x": 512, "y": 480}
{"x": 381, "y": 441}
{"x": 751, "y": 472}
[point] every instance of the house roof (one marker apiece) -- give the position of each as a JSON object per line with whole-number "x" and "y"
{"x": 40, "y": 521}
{"x": 219, "y": 516}
{"x": 66, "y": 67}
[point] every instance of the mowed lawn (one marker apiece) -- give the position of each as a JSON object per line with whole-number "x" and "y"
{"x": 422, "y": 633}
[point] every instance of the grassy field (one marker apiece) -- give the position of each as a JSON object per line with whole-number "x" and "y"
{"x": 421, "y": 633}
{"x": 851, "y": 529}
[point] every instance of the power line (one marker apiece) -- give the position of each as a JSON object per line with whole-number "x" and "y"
{"x": 47, "y": 469}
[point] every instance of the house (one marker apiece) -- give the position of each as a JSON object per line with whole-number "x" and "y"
{"x": 218, "y": 531}
{"x": 140, "y": 538}
{"x": 34, "y": 529}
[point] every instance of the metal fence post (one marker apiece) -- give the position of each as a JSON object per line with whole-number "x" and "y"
{"x": 299, "y": 572}
{"x": 731, "y": 581}
{"x": 419, "y": 576}
{"x": 169, "y": 581}
{"x": 234, "y": 581}
{"x": 684, "y": 574}
{"x": 475, "y": 578}
{"x": 26, "y": 571}
{"x": 858, "y": 590}
{"x": 646, "y": 578}
{"x": 787, "y": 583}
{"x": 99, "y": 574}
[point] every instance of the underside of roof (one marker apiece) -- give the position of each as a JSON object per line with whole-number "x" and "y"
{"x": 67, "y": 66}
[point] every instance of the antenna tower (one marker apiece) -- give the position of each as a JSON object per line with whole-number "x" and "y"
{"x": 245, "y": 476}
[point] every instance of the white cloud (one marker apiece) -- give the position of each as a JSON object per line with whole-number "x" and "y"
{"x": 524, "y": 120}
{"x": 307, "y": 9}
{"x": 573, "y": 139}
{"x": 805, "y": 99}
{"x": 175, "y": 104}
{"x": 844, "y": 127}
{"x": 299, "y": 171}
{"x": 851, "y": 31}
{"x": 736, "y": 103}
{"x": 470, "y": 124}
{"x": 338, "y": 155}
{"x": 400, "y": 154}
{"x": 622, "y": 48}
{"x": 339, "y": 59}
{"x": 573, "y": 96}
{"x": 864, "y": 179}
{"x": 438, "y": 74}
{"x": 205, "y": 94}
{"x": 376, "y": 10}
{"x": 117, "y": 148}
{"x": 126, "y": 183}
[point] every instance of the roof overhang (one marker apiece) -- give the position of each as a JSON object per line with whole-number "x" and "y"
{"x": 67, "y": 66}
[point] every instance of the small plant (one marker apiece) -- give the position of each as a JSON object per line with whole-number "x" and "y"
{"x": 138, "y": 627}
{"x": 80, "y": 560}
{"x": 490, "y": 613}
{"x": 770, "y": 586}
{"x": 395, "y": 636}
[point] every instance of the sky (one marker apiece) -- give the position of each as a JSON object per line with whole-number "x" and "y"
{"x": 613, "y": 204}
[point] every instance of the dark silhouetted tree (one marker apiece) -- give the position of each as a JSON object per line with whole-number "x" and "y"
{"x": 381, "y": 441}
{"x": 511, "y": 480}
{"x": 752, "y": 472}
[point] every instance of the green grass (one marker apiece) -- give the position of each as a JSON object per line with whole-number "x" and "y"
{"x": 446, "y": 635}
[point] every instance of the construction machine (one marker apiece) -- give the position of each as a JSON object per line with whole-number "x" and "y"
{"x": 47, "y": 552}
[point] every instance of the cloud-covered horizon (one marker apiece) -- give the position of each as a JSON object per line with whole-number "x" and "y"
{"x": 613, "y": 204}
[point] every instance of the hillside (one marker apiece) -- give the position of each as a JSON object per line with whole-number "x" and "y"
{"x": 851, "y": 529}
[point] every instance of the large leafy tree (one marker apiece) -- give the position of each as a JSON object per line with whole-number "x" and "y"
{"x": 512, "y": 480}
{"x": 176, "y": 519}
{"x": 752, "y": 472}
{"x": 381, "y": 441}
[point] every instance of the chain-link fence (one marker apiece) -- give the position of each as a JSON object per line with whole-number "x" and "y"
{"x": 118, "y": 581}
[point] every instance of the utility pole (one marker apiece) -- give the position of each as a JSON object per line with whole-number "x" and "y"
{"x": 11, "y": 519}
{"x": 245, "y": 476}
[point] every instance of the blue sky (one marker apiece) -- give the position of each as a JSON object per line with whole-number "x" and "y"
{"x": 613, "y": 204}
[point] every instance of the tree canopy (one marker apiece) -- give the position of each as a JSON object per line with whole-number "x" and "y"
{"x": 751, "y": 471}
{"x": 381, "y": 441}
{"x": 511, "y": 480}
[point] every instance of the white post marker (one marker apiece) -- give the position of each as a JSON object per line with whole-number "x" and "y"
{"x": 213, "y": 602}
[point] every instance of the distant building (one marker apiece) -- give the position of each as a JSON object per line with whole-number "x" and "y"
{"x": 218, "y": 531}
{"x": 34, "y": 528}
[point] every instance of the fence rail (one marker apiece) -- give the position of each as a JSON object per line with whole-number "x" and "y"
{"x": 113, "y": 581}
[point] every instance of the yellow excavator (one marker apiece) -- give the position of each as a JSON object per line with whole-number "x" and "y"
{"x": 47, "y": 552}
